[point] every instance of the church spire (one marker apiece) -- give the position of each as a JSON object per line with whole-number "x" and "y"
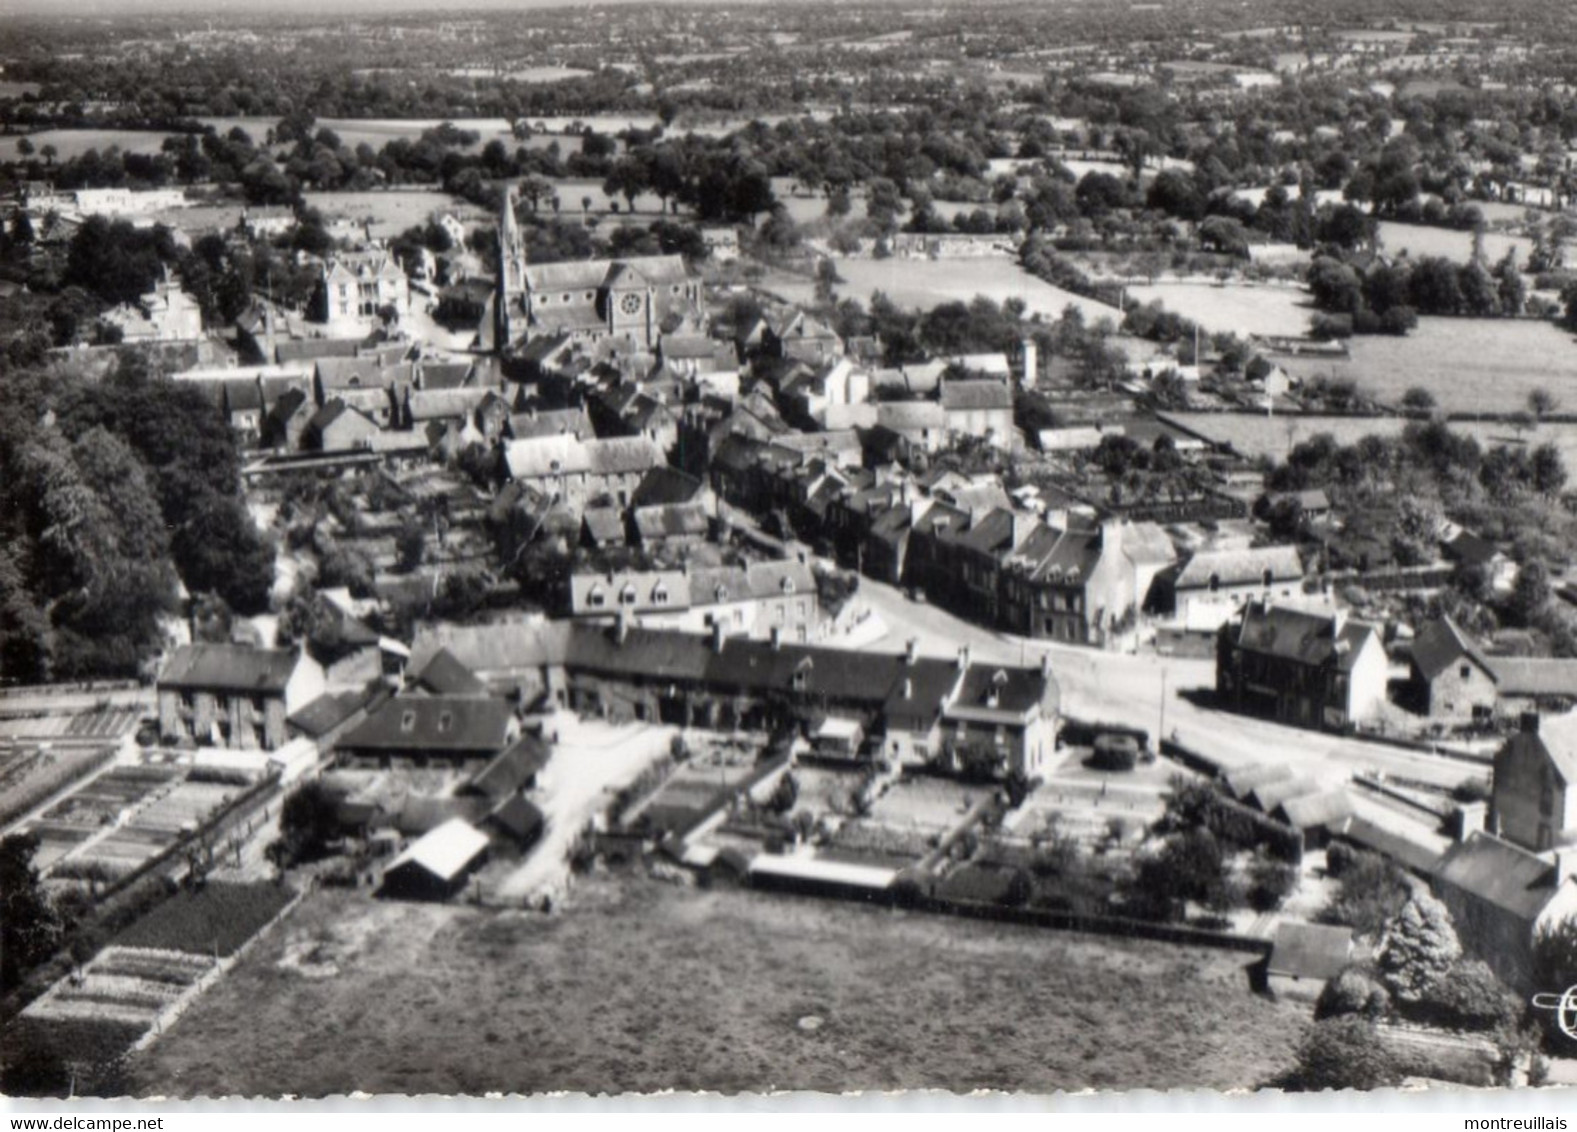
{"x": 511, "y": 268}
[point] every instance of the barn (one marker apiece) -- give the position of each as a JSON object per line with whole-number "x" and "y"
{"x": 436, "y": 865}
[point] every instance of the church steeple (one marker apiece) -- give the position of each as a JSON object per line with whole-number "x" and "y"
{"x": 511, "y": 269}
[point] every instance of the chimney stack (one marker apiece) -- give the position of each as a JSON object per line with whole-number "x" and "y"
{"x": 777, "y": 637}
{"x": 717, "y": 636}
{"x": 1045, "y": 665}
{"x": 911, "y": 651}
{"x": 1031, "y": 363}
{"x": 963, "y": 657}
{"x": 621, "y": 628}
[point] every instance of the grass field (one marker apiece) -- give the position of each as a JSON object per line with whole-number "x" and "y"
{"x": 1419, "y": 240}
{"x": 638, "y": 986}
{"x": 925, "y": 283}
{"x": 74, "y": 143}
{"x": 1241, "y": 308}
{"x": 1470, "y": 365}
{"x": 1256, "y": 435}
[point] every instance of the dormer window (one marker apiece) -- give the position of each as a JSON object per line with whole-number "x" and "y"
{"x": 659, "y": 595}
{"x": 445, "y": 722}
{"x": 407, "y": 722}
{"x": 627, "y": 595}
{"x": 722, "y": 593}
{"x": 596, "y": 598}
{"x": 788, "y": 585}
{"x": 999, "y": 680}
{"x": 802, "y": 674}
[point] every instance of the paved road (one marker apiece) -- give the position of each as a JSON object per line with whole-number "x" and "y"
{"x": 1152, "y": 692}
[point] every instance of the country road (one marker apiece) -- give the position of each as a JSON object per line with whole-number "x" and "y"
{"x": 1151, "y": 692}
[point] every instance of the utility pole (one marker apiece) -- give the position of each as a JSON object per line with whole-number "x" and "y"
{"x": 1160, "y": 725}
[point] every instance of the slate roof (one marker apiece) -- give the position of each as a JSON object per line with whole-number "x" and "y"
{"x": 518, "y": 817}
{"x": 551, "y": 422}
{"x": 445, "y": 375}
{"x": 1555, "y": 741}
{"x": 443, "y": 404}
{"x": 351, "y": 373}
{"x": 444, "y": 675}
{"x": 311, "y": 349}
{"x": 975, "y": 395}
{"x": 670, "y": 520}
{"x": 1499, "y": 873}
{"x": 1015, "y": 690}
{"x": 508, "y": 772}
{"x": 1244, "y": 567}
{"x": 1307, "y": 638}
{"x": 920, "y": 688}
{"x": 421, "y": 724}
{"x": 1534, "y": 676}
{"x": 328, "y": 711}
{"x": 565, "y": 455}
{"x": 1440, "y": 644}
{"x": 1310, "y": 811}
{"x": 1309, "y": 951}
{"x": 229, "y": 668}
{"x": 604, "y": 524}
{"x": 910, "y": 416}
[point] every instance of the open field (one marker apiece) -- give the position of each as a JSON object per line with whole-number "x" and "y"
{"x": 392, "y": 212}
{"x": 74, "y": 143}
{"x": 926, "y": 283}
{"x": 1241, "y": 308}
{"x": 1256, "y": 435}
{"x": 1469, "y": 364}
{"x": 1419, "y": 240}
{"x": 709, "y": 990}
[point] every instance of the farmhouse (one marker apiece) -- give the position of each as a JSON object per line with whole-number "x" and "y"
{"x": 1300, "y": 668}
{"x": 234, "y": 695}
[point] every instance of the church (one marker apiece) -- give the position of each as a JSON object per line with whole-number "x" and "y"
{"x": 585, "y": 300}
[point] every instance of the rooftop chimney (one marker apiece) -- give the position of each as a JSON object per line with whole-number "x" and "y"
{"x": 1031, "y": 363}
{"x": 963, "y": 657}
{"x": 911, "y": 650}
{"x": 621, "y": 628}
{"x": 777, "y": 637}
{"x": 908, "y": 688}
{"x": 1045, "y": 665}
{"x": 717, "y": 636}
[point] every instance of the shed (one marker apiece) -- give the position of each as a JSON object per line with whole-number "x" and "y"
{"x": 1304, "y": 957}
{"x": 436, "y": 865}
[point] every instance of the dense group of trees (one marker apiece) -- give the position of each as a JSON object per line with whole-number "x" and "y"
{"x": 1388, "y": 296}
{"x": 110, "y": 493}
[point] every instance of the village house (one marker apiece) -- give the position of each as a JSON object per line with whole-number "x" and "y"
{"x": 354, "y": 288}
{"x": 1500, "y": 896}
{"x": 428, "y": 730}
{"x": 234, "y": 695}
{"x": 165, "y": 314}
{"x": 1300, "y": 668}
{"x": 754, "y": 601}
{"x": 575, "y": 472}
{"x": 338, "y": 427}
{"x": 1450, "y": 678}
{"x": 1302, "y": 959}
{"x": 795, "y": 335}
{"x": 982, "y": 408}
{"x": 1534, "y": 798}
{"x": 1213, "y": 585}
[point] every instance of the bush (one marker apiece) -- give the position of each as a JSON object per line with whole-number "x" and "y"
{"x": 1466, "y": 997}
{"x": 1115, "y": 753}
{"x": 1270, "y": 882}
{"x": 1354, "y": 991}
{"x": 1373, "y": 891}
{"x": 1342, "y": 1053}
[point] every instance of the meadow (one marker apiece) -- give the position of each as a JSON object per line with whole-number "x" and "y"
{"x": 74, "y": 143}
{"x": 1241, "y": 308}
{"x": 709, "y": 989}
{"x": 925, "y": 283}
{"x": 1254, "y": 434}
{"x": 1419, "y": 240}
{"x": 1470, "y": 365}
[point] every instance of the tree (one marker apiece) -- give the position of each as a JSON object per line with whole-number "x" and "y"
{"x": 1372, "y": 891}
{"x": 784, "y": 794}
{"x": 1549, "y": 469}
{"x": 30, "y": 928}
{"x": 1188, "y": 867}
{"x": 1419, "y": 400}
{"x": 1420, "y": 947}
{"x": 411, "y": 545}
{"x": 308, "y": 821}
{"x": 1541, "y": 403}
{"x": 1343, "y": 1053}
{"x": 1530, "y": 594}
